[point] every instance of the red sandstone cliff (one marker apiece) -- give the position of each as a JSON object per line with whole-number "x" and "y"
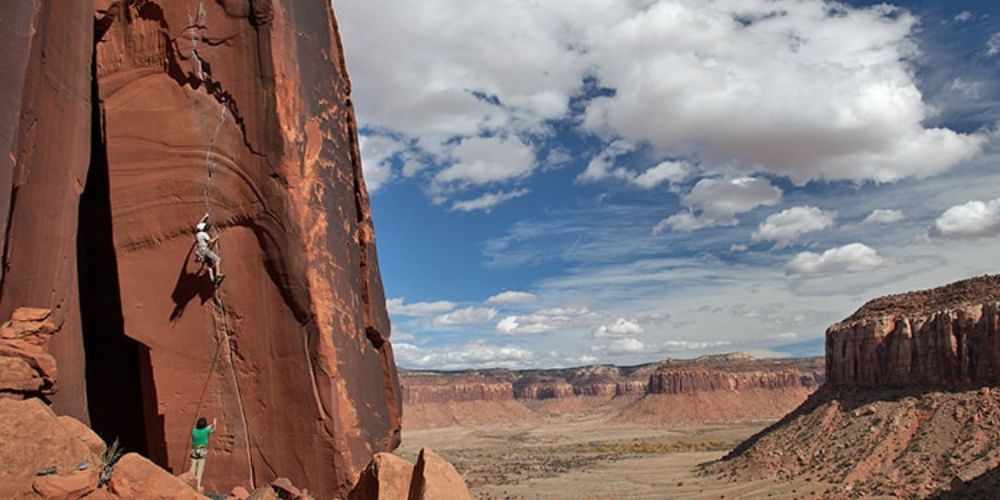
{"x": 124, "y": 123}
{"x": 735, "y": 374}
{"x": 724, "y": 388}
{"x": 942, "y": 337}
{"x": 910, "y": 408}
{"x": 434, "y": 389}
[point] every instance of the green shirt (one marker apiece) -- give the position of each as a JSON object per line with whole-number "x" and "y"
{"x": 199, "y": 437}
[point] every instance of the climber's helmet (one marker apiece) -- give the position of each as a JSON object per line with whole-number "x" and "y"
{"x": 201, "y": 226}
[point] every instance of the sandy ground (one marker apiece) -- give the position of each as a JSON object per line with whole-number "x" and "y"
{"x": 588, "y": 458}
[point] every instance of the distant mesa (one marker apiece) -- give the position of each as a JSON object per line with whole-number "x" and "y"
{"x": 910, "y": 408}
{"x": 731, "y": 387}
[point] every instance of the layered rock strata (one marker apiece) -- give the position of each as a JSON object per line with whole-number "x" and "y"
{"x": 125, "y": 121}
{"x": 948, "y": 336}
{"x": 431, "y": 389}
{"x": 708, "y": 374}
{"x": 910, "y": 408}
{"x": 724, "y": 388}
{"x": 26, "y": 367}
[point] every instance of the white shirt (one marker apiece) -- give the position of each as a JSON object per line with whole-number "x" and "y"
{"x": 203, "y": 238}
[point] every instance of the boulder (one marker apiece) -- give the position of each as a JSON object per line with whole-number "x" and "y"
{"x": 436, "y": 479}
{"x": 17, "y": 488}
{"x": 33, "y": 438}
{"x": 285, "y": 490}
{"x": 26, "y": 367}
{"x": 135, "y": 476}
{"x": 188, "y": 477}
{"x": 17, "y": 376}
{"x": 238, "y": 493}
{"x": 101, "y": 494}
{"x": 80, "y": 430}
{"x": 263, "y": 494}
{"x": 72, "y": 486}
{"x": 387, "y": 477}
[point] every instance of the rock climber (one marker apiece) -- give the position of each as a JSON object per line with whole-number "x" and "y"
{"x": 204, "y": 251}
{"x": 199, "y": 448}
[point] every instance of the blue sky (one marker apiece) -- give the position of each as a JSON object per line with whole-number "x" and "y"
{"x": 563, "y": 183}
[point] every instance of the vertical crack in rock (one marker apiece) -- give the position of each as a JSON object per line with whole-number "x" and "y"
{"x": 121, "y": 394}
{"x": 221, "y": 312}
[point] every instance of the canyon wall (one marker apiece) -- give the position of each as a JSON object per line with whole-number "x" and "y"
{"x": 910, "y": 407}
{"x": 433, "y": 389}
{"x": 723, "y": 388}
{"x": 125, "y": 122}
{"x": 947, "y": 336}
{"x": 736, "y": 374}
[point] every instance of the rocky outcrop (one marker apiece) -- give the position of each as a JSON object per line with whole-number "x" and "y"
{"x": 135, "y": 476}
{"x": 436, "y": 479}
{"x": 389, "y": 477}
{"x": 742, "y": 389}
{"x": 26, "y": 367}
{"x": 947, "y": 336}
{"x": 735, "y": 375}
{"x": 909, "y": 408}
{"x": 534, "y": 387}
{"x": 238, "y": 108}
{"x": 432, "y": 389}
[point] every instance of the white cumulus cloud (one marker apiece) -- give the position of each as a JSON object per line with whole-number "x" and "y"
{"x": 602, "y": 166}
{"x": 717, "y": 202}
{"x": 487, "y": 201}
{"x": 850, "y": 258}
{"x": 625, "y": 346}
{"x": 786, "y": 226}
{"x": 418, "y": 309}
{"x": 476, "y": 354}
{"x": 969, "y": 220}
{"x": 466, "y": 316}
{"x": 486, "y": 160}
{"x": 619, "y": 328}
{"x": 807, "y": 89}
{"x": 511, "y": 297}
{"x": 883, "y": 216}
{"x": 543, "y": 320}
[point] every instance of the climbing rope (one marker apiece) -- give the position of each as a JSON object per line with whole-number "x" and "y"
{"x": 220, "y": 314}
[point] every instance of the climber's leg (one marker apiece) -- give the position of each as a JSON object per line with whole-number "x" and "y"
{"x": 213, "y": 261}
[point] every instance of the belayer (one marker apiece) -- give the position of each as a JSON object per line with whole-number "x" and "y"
{"x": 199, "y": 448}
{"x": 204, "y": 243}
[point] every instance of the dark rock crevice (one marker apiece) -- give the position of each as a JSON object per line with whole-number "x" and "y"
{"x": 120, "y": 391}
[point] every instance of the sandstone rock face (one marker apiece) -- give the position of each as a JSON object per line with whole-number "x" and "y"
{"x": 436, "y": 479}
{"x": 534, "y": 387}
{"x": 26, "y": 367}
{"x": 431, "y": 389}
{"x": 72, "y": 486}
{"x": 135, "y": 476}
{"x": 33, "y": 439}
{"x": 947, "y": 336}
{"x": 387, "y": 477}
{"x": 707, "y": 375}
{"x": 908, "y": 409}
{"x": 238, "y": 108}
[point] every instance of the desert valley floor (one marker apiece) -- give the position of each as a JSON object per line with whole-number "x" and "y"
{"x": 582, "y": 456}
